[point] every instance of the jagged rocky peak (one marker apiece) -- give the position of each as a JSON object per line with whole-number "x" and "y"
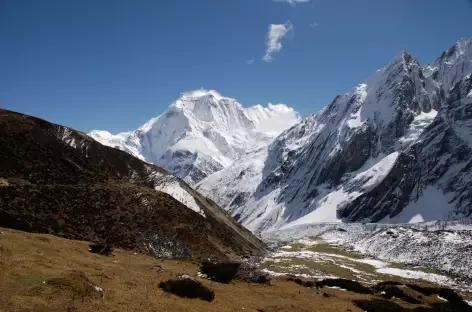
{"x": 362, "y": 158}
{"x": 448, "y": 70}
{"x": 202, "y": 132}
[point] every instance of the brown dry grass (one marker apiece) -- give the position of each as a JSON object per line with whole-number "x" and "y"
{"x": 28, "y": 260}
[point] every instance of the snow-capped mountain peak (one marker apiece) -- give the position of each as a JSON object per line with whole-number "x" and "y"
{"x": 202, "y": 132}
{"x": 378, "y": 153}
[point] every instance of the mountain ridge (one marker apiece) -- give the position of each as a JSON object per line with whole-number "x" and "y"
{"x": 355, "y": 160}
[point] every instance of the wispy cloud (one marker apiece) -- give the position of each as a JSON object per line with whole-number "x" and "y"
{"x": 250, "y": 62}
{"x": 293, "y": 2}
{"x": 314, "y": 24}
{"x": 275, "y": 36}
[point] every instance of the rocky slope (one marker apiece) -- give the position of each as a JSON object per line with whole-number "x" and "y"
{"x": 395, "y": 149}
{"x": 57, "y": 180}
{"x": 202, "y": 133}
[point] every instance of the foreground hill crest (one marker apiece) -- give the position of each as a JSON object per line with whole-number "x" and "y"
{"x": 60, "y": 181}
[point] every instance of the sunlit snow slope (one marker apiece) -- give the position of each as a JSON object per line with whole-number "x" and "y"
{"x": 202, "y": 133}
{"x": 397, "y": 148}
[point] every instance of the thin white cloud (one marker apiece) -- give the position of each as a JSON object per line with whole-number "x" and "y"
{"x": 250, "y": 62}
{"x": 314, "y": 24}
{"x": 293, "y": 2}
{"x": 276, "y": 34}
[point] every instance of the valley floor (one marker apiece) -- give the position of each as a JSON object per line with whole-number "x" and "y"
{"x": 315, "y": 258}
{"x": 45, "y": 273}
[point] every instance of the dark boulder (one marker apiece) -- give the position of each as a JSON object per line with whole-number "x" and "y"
{"x": 187, "y": 287}
{"x": 454, "y": 300}
{"x": 221, "y": 272}
{"x": 305, "y": 283}
{"x": 101, "y": 249}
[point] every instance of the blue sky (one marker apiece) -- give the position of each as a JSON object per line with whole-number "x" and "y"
{"x": 114, "y": 64}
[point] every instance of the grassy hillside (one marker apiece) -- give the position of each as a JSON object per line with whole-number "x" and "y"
{"x": 42, "y": 273}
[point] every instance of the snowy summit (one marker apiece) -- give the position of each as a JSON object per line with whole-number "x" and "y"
{"x": 201, "y": 133}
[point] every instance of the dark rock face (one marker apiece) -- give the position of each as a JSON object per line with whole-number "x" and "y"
{"x": 188, "y": 288}
{"x": 340, "y": 148}
{"x": 442, "y": 157}
{"x": 60, "y": 181}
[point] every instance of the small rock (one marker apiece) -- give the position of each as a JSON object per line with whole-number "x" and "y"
{"x": 221, "y": 272}
{"x": 157, "y": 268}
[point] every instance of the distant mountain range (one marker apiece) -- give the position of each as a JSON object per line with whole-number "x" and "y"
{"x": 395, "y": 149}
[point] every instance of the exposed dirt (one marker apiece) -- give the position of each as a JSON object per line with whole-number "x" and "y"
{"x": 97, "y": 193}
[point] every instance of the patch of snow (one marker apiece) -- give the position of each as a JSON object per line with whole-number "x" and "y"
{"x": 417, "y": 126}
{"x": 321, "y": 276}
{"x": 350, "y": 269}
{"x": 375, "y": 170}
{"x": 171, "y": 186}
{"x": 325, "y": 208}
{"x": 442, "y": 299}
{"x": 308, "y": 242}
{"x": 378, "y": 264}
{"x": 432, "y": 205}
{"x": 335, "y": 287}
{"x": 430, "y": 277}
